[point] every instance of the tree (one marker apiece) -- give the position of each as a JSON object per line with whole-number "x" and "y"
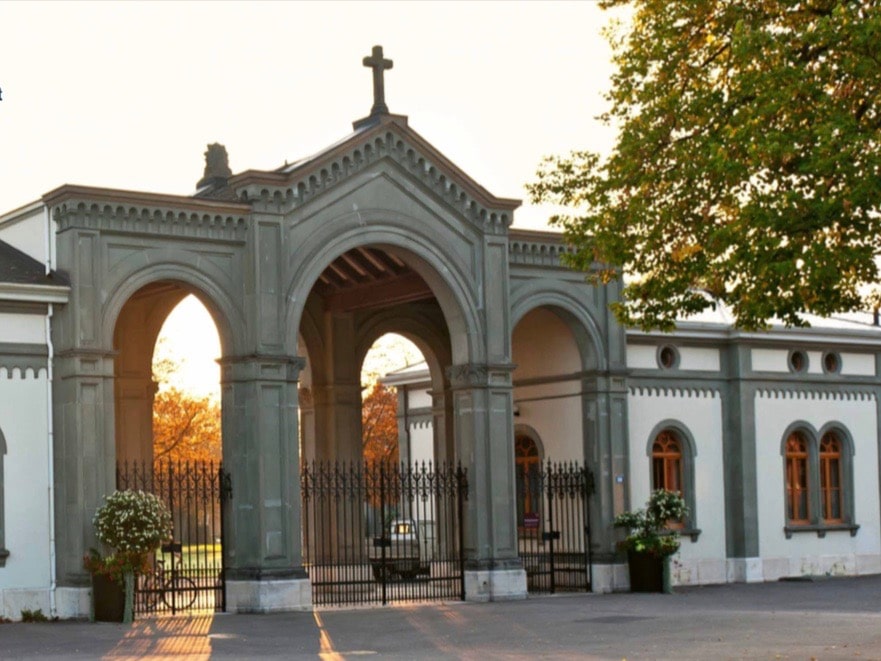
{"x": 747, "y": 167}
{"x": 185, "y": 427}
{"x": 379, "y": 424}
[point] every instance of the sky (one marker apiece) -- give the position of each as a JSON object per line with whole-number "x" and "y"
{"x": 128, "y": 94}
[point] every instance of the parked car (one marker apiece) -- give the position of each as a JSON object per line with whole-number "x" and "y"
{"x": 398, "y": 553}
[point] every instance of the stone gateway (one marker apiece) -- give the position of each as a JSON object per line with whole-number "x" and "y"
{"x": 773, "y": 438}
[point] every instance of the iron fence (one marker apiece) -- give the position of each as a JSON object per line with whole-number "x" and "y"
{"x": 380, "y": 532}
{"x": 187, "y": 573}
{"x": 554, "y": 526}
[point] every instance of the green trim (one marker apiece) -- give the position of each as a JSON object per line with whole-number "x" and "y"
{"x": 24, "y": 356}
{"x": 821, "y": 529}
{"x": 813, "y": 437}
{"x": 689, "y": 452}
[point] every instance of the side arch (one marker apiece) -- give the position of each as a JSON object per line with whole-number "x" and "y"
{"x": 421, "y": 331}
{"x": 227, "y": 316}
{"x": 567, "y": 304}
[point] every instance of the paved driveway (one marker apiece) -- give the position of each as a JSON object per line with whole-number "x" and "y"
{"x": 835, "y": 618}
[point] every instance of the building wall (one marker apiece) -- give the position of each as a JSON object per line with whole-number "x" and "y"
{"x": 25, "y": 580}
{"x": 547, "y": 390}
{"x": 26, "y": 230}
{"x": 420, "y": 427}
{"x": 837, "y": 553}
{"x": 691, "y": 394}
{"x": 702, "y": 559}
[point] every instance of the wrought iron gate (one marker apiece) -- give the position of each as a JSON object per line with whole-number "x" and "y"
{"x": 554, "y": 526}
{"x": 188, "y": 572}
{"x": 380, "y": 533}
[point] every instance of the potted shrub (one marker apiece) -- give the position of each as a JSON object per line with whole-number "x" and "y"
{"x": 651, "y": 540}
{"x": 134, "y": 524}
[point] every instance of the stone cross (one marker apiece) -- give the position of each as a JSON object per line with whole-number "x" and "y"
{"x": 378, "y": 64}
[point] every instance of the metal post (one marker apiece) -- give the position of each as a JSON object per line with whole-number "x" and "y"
{"x": 383, "y": 533}
{"x": 551, "y": 531}
{"x": 587, "y": 492}
{"x": 461, "y": 494}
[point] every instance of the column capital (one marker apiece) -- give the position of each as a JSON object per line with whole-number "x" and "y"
{"x": 85, "y": 363}
{"x": 261, "y": 367}
{"x": 480, "y": 375}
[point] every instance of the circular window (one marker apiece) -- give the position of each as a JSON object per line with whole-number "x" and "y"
{"x": 798, "y": 361}
{"x": 831, "y": 363}
{"x": 668, "y": 357}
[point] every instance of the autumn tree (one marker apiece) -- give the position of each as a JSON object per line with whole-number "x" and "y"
{"x": 186, "y": 427}
{"x": 747, "y": 167}
{"x": 379, "y": 424}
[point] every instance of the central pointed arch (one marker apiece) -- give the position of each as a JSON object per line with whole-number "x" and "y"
{"x": 448, "y": 275}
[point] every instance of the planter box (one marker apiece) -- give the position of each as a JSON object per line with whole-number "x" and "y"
{"x": 108, "y": 599}
{"x": 646, "y": 572}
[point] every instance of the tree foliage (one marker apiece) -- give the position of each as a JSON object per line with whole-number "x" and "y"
{"x": 185, "y": 427}
{"x": 379, "y": 424}
{"x": 747, "y": 168}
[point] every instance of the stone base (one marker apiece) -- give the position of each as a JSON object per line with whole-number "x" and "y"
{"x": 269, "y": 596}
{"x": 700, "y": 571}
{"x": 609, "y": 578}
{"x": 14, "y": 600}
{"x": 745, "y": 570}
{"x": 73, "y": 603}
{"x": 495, "y": 584}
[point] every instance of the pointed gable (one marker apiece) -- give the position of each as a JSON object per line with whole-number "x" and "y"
{"x": 387, "y": 137}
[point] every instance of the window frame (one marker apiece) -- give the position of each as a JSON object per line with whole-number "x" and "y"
{"x": 688, "y": 454}
{"x": 527, "y": 478}
{"x": 797, "y": 478}
{"x": 817, "y": 519}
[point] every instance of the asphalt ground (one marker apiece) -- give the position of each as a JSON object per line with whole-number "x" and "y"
{"x": 821, "y": 619}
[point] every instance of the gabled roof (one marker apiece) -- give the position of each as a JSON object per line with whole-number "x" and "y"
{"x": 386, "y": 135}
{"x": 19, "y": 268}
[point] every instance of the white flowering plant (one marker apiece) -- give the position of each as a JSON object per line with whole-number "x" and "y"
{"x": 649, "y": 529}
{"x": 134, "y": 524}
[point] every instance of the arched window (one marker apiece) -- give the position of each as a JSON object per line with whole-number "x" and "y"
{"x": 671, "y": 450}
{"x": 667, "y": 462}
{"x": 830, "y": 478}
{"x": 528, "y": 466}
{"x": 797, "y": 478}
{"x": 819, "y": 480}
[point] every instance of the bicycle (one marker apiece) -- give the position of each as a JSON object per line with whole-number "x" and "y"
{"x": 169, "y": 587}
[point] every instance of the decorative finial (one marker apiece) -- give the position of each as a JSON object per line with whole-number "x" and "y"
{"x": 378, "y": 64}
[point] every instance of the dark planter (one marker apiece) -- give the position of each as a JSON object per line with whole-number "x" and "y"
{"x": 108, "y": 599}
{"x": 646, "y": 572}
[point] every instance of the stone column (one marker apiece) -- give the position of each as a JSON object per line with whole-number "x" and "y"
{"x": 84, "y": 455}
{"x": 337, "y": 393}
{"x": 134, "y": 418}
{"x": 483, "y": 404}
{"x": 338, "y": 422}
{"x": 441, "y": 417}
{"x": 403, "y": 418}
{"x": 260, "y": 427}
{"x": 604, "y": 406}
{"x": 740, "y": 470}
